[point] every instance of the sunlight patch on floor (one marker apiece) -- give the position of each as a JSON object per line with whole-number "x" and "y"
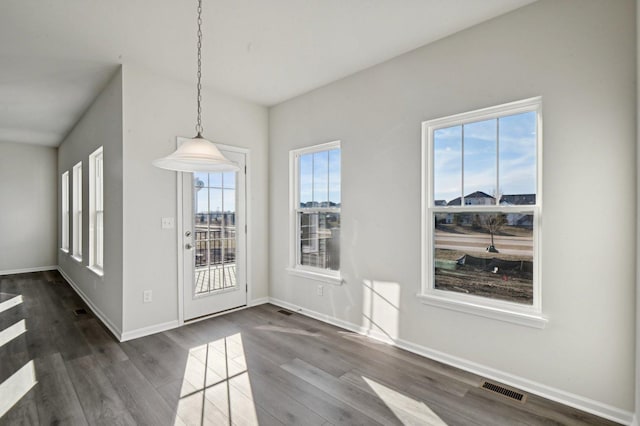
{"x": 16, "y": 386}
{"x": 216, "y": 388}
{"x": 408, "y": 410}
{"x": 12, "y": 332}
{"x": 10, "y": 303}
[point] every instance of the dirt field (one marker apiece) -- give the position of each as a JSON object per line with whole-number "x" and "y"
{"x": 509, "y": 286}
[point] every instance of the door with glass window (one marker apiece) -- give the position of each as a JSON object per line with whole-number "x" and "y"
{"x": 214, "y": 240}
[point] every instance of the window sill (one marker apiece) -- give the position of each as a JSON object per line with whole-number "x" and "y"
{"x": 329, "y": 279}
{"x": 96, "y": 270}
{"x": 520, "y": 318}
{"x": 76, "y": 258}
{"x": 65, "y": 251}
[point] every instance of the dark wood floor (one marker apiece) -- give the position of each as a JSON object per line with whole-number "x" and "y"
{"x": 255, "y": 366}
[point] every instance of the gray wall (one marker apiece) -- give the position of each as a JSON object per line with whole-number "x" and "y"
{"x": 158, "y": 109}
{"x": 581, "y": 60}
{"x": 101, "y": 125}
{"x": 28, "y": 207}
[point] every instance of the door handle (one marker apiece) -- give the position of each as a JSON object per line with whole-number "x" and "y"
{"x": 188, "y": 246}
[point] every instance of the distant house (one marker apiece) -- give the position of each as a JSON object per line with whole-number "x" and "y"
{"x": 477, "y": 198}
{"x": 480, "y": 198}
{"x": 519, "y": 219}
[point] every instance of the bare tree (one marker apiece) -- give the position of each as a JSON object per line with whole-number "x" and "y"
{"x": 493, "y": 223}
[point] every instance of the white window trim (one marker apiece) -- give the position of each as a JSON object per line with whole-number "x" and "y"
{"x": 515, "y": 313}
{"x": 64, "y": 205}
{"x": 93, "y": 266}
{"x": 317, "y": 274}
{"x": 77, "y": 212}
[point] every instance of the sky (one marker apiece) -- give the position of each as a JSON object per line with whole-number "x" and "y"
{"x": 217, "y": 192}
{"x": 320, "y": 177}
{"x": 499, "y": 157}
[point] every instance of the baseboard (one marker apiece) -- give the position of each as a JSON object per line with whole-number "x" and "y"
{"x": 98, "y": 313}
{"x": 146, "y": 331}
{"x": 260, "y": 301}
{"x": 27, "y": 270}
{"x": 567, "y": 398}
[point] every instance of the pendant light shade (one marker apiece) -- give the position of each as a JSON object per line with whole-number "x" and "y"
{"x": 197, "y": 154}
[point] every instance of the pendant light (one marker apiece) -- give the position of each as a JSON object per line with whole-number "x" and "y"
{"x": 197, "y": 154}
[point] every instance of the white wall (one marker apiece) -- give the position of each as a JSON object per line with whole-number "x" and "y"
{"x": 637, "y": 410}
{"x": 157, "y": 110}
{"x": 28, "y": 216}
{"x": 581, "y": 60}
{"x": 101, "y": 125}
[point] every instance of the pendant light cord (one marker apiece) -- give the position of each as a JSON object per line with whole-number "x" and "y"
{"x": 199, "y": 128}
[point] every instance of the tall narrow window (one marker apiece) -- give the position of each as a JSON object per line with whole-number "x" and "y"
{"x": 77, "y": 211}
{"x": 65, "y": 211}
{"x": 96, "y": 214}
{"x": 316, "y": 210}
{"x": 482, "y": 209}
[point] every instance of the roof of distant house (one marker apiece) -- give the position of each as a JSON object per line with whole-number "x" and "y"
{"x": 477, "y": 194}
{"x": 518, "y": 199}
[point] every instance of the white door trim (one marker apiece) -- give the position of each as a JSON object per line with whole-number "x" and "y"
{"x": 180, "y": 223}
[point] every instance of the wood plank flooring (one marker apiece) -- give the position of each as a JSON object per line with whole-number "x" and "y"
{"x": 255, "y": 366}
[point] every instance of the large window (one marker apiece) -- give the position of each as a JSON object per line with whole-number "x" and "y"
{"x": 315, "y": 175}
{"x": 64, "y": 202}
{"x": 77, "y": 211}
{"x": 481, "y": 173}
{"x": 96, "y": 216}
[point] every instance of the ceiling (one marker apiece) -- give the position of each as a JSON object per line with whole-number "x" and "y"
{"x": 56, "y": 55}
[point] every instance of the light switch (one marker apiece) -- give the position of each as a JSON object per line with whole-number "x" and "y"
{"x": 167, "y": 223}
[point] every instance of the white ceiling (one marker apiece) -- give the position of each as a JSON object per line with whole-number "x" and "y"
{"x": 56, "y": 55}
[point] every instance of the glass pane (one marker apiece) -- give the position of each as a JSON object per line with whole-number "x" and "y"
{"x": 321, "y": 179}
{"x": 229, "y": 213}
{"x": 214, "y": 231}
{"x": 306, "y": 180}
{"x": 485, "y": 254}
{"x": 215, "y": 200}
{"x": 200, "y": 180}
{"x": 215, "y": 251}
{"x": 229, "y": 179}
{"x": 447, "y": 166}
{"x": 320, "y": 240}
{"x": 215, "y": 180}
{"x": 201, "y": 200}
{"x": 99, "y": 238}
{"x": 201, "y": 278}
{"x": 334, "y": 178}
{"x": 201, "y": 258}
{"x": 229, "y": 251}
{"x": 480, "y": 157}
{"x": 518, "y": 159}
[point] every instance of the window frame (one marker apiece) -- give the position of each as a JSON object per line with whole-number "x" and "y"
{"x": 64, "y": 211}
{"x": 96, "y": 210}
{"x": 77, "y": 212}
{"x": 528, "y": 315}
{"x": 295, "y": 268}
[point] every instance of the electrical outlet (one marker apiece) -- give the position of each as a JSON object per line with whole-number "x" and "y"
{"x": 320, "y": 290}
{"x": 147, "y": 296}
{"x": 168, "y": 223}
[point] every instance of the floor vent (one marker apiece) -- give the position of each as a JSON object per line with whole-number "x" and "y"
{"x": 81, "y": 311}
{"x": 504, "y": 391}
{"x": 283, "y": 312}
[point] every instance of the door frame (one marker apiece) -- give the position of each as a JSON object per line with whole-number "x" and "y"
{"x": 180, "y": 233}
